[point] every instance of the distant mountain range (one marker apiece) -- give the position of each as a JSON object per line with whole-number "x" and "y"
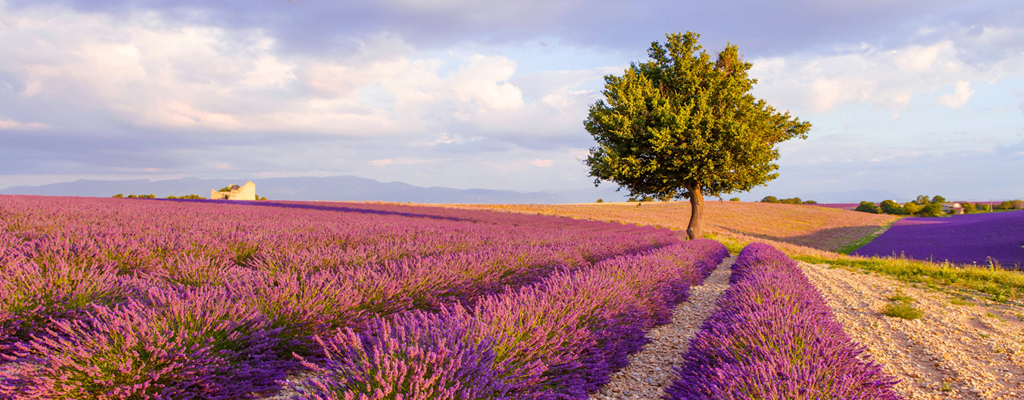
{"x": 333, "y": 188}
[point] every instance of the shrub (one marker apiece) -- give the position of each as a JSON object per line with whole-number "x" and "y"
{"x": 911, "y": 208}
{"x": 422, "y": 355}
{"x": 118, "y": 196}
{"x": 968, "y": 208}
{"x": 177, "y": 343}
{"x": 734, "y": 199}
{"x": 770, "y": 199}
{"x": 931, "y": 210}
{"x": 983, "y": 207}
{"x": 795, "y": 200}
{"x": 600, "y": 200}
{"x": 891, "y": 207}
{"x": 868, "y": 207}
{"x": 810, "y": 202}
{"x": 902, "y": 310}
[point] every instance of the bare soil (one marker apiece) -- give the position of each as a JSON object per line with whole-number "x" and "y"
{"x": 651, "y": 370}
{"x": 955, "y": 351}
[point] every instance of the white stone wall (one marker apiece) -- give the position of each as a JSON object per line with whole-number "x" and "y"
{"x": 245, "y": 192}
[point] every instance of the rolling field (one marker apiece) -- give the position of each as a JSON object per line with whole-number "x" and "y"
{"x": 962, "y": 239}
{"x": 802, "y": 227}
{"x": 125, "y": 299}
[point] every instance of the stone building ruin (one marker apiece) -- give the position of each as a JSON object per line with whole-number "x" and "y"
{"x": 244, "y": 192}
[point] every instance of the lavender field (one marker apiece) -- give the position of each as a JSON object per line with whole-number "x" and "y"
{"x": 120, "y": 299}
{"x": 963, "y": 239}
{"x": 773, "y": 337}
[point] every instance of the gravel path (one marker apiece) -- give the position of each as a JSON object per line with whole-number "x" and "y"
{"x": 953, "y": 352}
{"x": 650, "y": 371}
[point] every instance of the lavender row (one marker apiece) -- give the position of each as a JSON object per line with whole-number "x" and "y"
{"x": 558, "y": 339}
{"x": 107, "y": 298}
{"x": 773, "y": 337}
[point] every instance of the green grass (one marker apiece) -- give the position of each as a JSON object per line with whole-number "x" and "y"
{"x": 960, "y": 302}
{"x": 1001, "y": 285}
{"x": 902, "y": 310}
{"x": 902, "y": 298}
{"x": 850, "y": 248}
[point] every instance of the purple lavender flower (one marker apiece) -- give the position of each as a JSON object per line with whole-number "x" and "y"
{"x": 773, "y": 337}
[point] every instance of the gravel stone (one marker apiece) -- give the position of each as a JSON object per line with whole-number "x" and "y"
{"x": 952, "y": 352}
{"x": 668, "y": 343}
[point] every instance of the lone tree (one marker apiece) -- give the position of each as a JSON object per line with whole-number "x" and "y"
{"x": 684, "y": 126}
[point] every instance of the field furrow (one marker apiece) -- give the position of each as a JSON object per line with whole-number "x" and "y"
{"x": 652, "y": 370}
{"x": 214, "y": 298}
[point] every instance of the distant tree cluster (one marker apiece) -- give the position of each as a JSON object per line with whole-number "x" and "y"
{"x": 925, "y": 206}
{"x": 1011, "y": 205}
{"x": 795, "y": 200}
{"x": 153, "y": 196}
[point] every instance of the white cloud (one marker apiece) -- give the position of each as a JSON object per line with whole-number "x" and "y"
{"x": 959, "y": 97}
{"x": 483, "y": 81}
{"x": 887, "y": 79}
{"x": 15, "y": 125}
{"x": 541, "y": 163}
{"x": 380, "y": 163}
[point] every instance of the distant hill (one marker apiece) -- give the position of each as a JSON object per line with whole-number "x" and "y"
{"x": 334, "y": 188}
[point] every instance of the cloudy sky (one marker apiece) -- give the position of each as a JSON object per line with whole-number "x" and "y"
{"x": 912, "y": 97}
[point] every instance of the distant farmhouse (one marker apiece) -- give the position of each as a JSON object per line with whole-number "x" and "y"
{"x": 235, "y": 192}
{"x": 952, "y": 208}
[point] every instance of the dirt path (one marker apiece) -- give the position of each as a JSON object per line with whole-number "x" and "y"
{"x": 953, "y": 352}
{"x": 650, "y": 371}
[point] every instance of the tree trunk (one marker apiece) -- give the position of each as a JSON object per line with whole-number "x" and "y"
{"x": 695, "y": 230}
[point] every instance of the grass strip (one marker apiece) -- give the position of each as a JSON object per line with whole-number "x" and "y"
{"x": 999, "y": 284}
{"x": 850, "y": 248}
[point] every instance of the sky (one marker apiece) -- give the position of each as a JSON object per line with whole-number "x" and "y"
{"x": 911, "y": 97}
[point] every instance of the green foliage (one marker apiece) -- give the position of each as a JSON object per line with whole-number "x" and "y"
{"x": 931, "y": 210}
{"x": 922, "y": 200}
{"x": 983, "y": 207}
{"x": 795, "y": 200}
{"x": 734, "y": 199}
{"x": 600, "y": 200}
{"x": 968, "y": 208}
{"x": 142, "y": 196}
{"x": 868, "y": 207}
{"x": 118, "y": 196}
{"x": 902, "y": 310}
{"x": 998, "y": 283}
{"x": 938, "y": 199}
{"x": 683, "y": 126}
{"x": 902, "y": 298}
{"x": 891, "y": 207}
{"x": 1011, "y": 205}
{"x": 187, "y": 197}
{"x": 911, "y": 208}
{"x": 225, "y": 189}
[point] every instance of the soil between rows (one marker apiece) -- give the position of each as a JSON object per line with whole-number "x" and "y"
{"x": 650, "y": 371}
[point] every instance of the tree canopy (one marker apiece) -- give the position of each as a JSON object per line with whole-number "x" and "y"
{"x": 682, "y": 125}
